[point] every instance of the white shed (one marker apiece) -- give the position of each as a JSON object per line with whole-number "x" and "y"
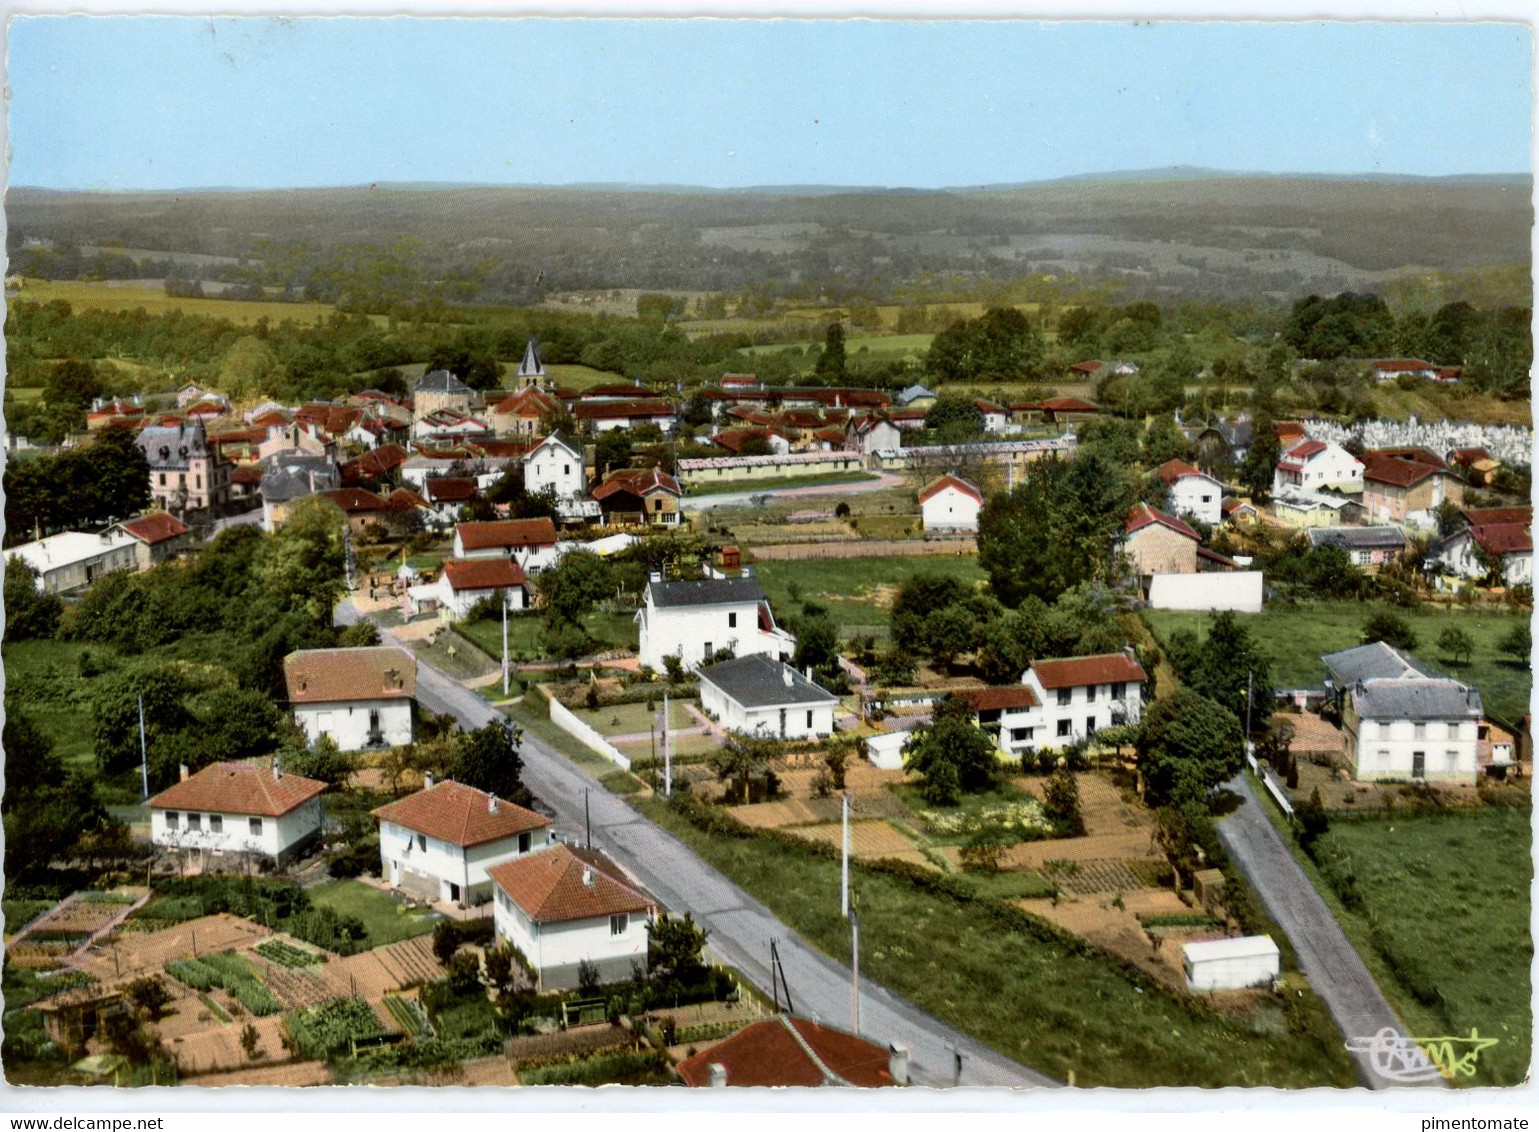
{"x": 885, "y": 751}
{"x": 1229, "y": 964}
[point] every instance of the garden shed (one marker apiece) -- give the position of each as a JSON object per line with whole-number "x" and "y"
{"x": 1229, "y": 964}
{"x": 886, "y": 749}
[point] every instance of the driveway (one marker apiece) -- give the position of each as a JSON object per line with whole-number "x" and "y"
{"x": 740, "y": 927}
{"x": 1327, "y": 958}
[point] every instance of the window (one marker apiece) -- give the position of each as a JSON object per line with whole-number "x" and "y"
{"x": 256, "y": 827}
{"x": 657, "y": 504}
{"x": 732, "y": 620}
{"x": 421, "y": 843}
{"x": 566, "y": 469}
{"x": 194, "y": 821}
{"x": 1022, "y": 734}
{"x": 524, "y": 842}
{"x": 1419, "y": 731}
{"x": 1064, "y": 696}
{"x": 708, "y": 650}
{"x": 809, "y": 721}
{"x": 618, "y": 923}
{"x": 1063, "y": 727}
{"x": 1207, "y": 499}
{"x": 181, "y": 479}
{"x": 173, "y": 819}
{"x": 216, "y": 823}
{"x": 1119, "y": 691}
{"x": 162, "y": 479}
{"x": 1090, "y": 694}
{"x": 1453, "y": 759}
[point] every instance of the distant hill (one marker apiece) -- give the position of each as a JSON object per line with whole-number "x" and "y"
{"x": 1163, "y": 233}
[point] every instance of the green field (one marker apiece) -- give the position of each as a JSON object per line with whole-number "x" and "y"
{"x": 848, "y": 586}
{"x": 877, "y": 347}
{"x": 635, "y": 719}
{"x": 387, "y": 919}
{"x": 1031, "y": 996}
{"x": 776, "y": 483}
{"x": 1294, "y": 637}
{"x": 577, "y": 376}
{"x": 151, "y": 297}
{"x": 1444, "y": 922}
{"x": 610, "y": 630}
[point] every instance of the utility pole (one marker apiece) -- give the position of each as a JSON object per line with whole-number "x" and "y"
{"x": 144, "y": 756}
{"x": 1250, "y": 679}
{"x": 855, "y": 969}
{"x": 667, "y": 753}
{"x": 844, "y": 862}
{"x": 587, "y": 819}
{"x": 505, "y": 670}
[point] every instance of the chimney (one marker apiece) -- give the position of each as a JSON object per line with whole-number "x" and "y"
{"x": 491, "y": 803}
{"x": 808, "y": 674}
{"x": 655, "y": 576}
{"x": 183, "y": 773}
{"x": 787, "y": 674}
{"x": 747, "y": 571}
{"x": 427, "y": 781}
{"x": 587, "y": 876}
{"x": 277, "y": 767}
{"x": 716, "y": 1075}
{"x": 897, "y": 1062}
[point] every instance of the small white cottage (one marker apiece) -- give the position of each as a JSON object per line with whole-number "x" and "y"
{"x": 950, "y": 504}
{"x": 466, "y": 581}
{"x": 361, "y": 697}
{"x": 235, "y": 808}
{"x": 756, "y": 695}
{"x": 567, "y": 907}
{"x": 1231, "y": 964}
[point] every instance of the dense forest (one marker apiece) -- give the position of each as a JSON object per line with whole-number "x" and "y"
{"x": 1223, "y": 237}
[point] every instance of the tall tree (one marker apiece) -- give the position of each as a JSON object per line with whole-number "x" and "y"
{"x": 951, "y": 754}
{"x": 830, "y": 365}
{"x": 1187, "y": 745}
{"x": 1261, "y": 459}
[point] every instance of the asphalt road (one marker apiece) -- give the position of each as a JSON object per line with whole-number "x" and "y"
{"x": 1326, "y": 956}
{"x": 740, "y": 927}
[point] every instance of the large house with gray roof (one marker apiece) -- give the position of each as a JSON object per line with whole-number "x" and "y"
{"x": 757, "y": 695}
{"x": 188, "y": 479}
{"x": 440, "y": 390}
{"x": 1402, "y": 720}
{"x": 695, "y": 620}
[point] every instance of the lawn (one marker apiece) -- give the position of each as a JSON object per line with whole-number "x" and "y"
{"x": 636, "y": 719}
{"x": 776, "y": 483}
{"x": 19, "y": 913}
{"x": 610, "y": 630}
{"x": 1028, "y": 994}
{"x": 580, "y": 377}
{"x": 387, "y": 919}
{"x": 467, "y": 662}
{"x": 1294, "y": 637}
{"x": 153, "y": 300}
{"x": 1444, "y": 907}
{"x": 849, "y": 586}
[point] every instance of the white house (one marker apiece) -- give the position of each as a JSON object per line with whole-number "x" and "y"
{"x": 950, "y": 504}
{"x": 1310, "y": 465}
{"x": 440, "y": 843}
{"x": 556, "y": 467}
{"x": 872, "y": 434}
{"x": 1070, "y": 700}
{"x": 1231, "y": 964}
{"x": 996, "y": 418}
{"x": 239, "y": 808}
{"x": 529, "y": 542}
{"x": 567, "y": 907}
{"x": 692, "y": 620}
{"x": 1404, "y": 721}
{"x": 756, "y": 695}
{"x": 73, "y": 560}
{"x": 466, "y": 581}
{"x": 1499, "y": 534}
{"x": 1191, "y": 492}
{"x": 361, "y": 697}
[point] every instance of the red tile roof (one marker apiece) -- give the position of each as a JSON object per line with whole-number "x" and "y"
{"x": 238, "y": 788}
{"x": 995, "y": 699}
{"x": 156, "y": 528}
{"x": 634, "y": 392}
{"x": 1305, "y": 449}
{"x": 483, "y": 573}
{"x": 1395, "y": 472}
{"x": 1504, "y": 538}
{"x": 460, "y": 815}
{"x": 506, "y": 534}
{"x": 404, "y": 499}
{"x": 1142, "y": 515}
{"x": 528, "y": 402}
{"x": 1398, "y": 365}
{"x": 1172, "y": 470}
{"x": 325, "y": 676}
{"x": 1414, "y": 454}
{"x": 1287, "y": 429}
{"x": 621, "y": 410}
{"x": 789, "y": 1051}
{"x": 637, "y": 481}
{"x": 375, "y": 464}
{"x": 935, "y": 487}
{"x": 247, "y": 474}
{"x": 1069, "y": 405}
{"x": 271, "y": 419}
{"x": 1075, "y": 672}
{"x": 449, "y": 489}
{"x": 354, "y": 500}
{"x": 1086, "y": 367}
{"x": 1480, "y": 516}
{"x": 557, "y": 886}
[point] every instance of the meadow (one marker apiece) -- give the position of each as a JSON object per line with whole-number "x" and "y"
{"x": 1293, "y": 637}
{"x": 150, "y": 296}
{"x": 856, "y": 591}
{"x": 610, "y": 630}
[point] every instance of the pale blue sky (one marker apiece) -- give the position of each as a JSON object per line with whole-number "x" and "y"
{"x": 104, "y": 103}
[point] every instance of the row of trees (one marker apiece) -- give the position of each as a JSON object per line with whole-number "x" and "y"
{"x": 81, "y": 488}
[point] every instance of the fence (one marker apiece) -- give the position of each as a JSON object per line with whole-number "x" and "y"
{"x": 587, "y": 736}
{"x": 1269, "y": 780}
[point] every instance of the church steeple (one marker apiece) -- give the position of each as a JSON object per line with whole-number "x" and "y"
{"x": 531, "y": 370}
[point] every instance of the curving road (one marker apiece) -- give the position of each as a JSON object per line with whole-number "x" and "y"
{"x": 740, "y": 927}
{"x": 1334, "y": 969}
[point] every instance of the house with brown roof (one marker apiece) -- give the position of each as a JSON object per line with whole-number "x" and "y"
{"x": 441, "y": 843}
{"x": 605, "y": 416}
{"x": 1407, "y": 488}
{"x": 1156, "y": 543}
{"x": 157, "y": 537}
{"x": 529, "y": 542}
{"x": 465, "y": 582}
{"x": 1477, "y": 465}
{"x": 1312, "y": 465}
{"x": 449, "y": 496}
{"x": 520, "y": 413}
{"x": 360, "y": 506}
{"x": 229, "y": 808}
{"x": 787, "y": 1051}
{"x": 1493, "y": 540}
{"x": 1191, "y": 492}
{"x": 567, "y": 907}
{"x": 362, "y": 697}
{"x": 639, "y": 497}
{"x": 1077, "y": 697}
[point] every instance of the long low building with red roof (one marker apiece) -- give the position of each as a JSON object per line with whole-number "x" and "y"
{"x": 441, "y": 843}
{"x": 568, "y": 907}
{"x": 239, "y": 808}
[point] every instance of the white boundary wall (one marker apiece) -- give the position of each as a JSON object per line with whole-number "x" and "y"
{"x": 1238, "y": 592}
{"x": 564, "y": 719}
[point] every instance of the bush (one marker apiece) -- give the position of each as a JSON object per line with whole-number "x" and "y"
{"x": 320, "y": 1031}
{"x": 630, "y": 1067}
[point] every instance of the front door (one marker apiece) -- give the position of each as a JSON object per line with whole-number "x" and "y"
{"x": 454, "y": 892}
{"x": 1419, "y": 764}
